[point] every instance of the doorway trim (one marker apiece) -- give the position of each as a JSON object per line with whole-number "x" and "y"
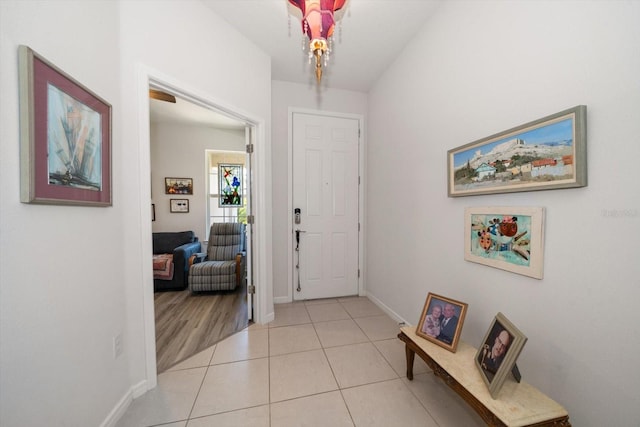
{"x": 361, "y": 192}
{"x": 261, "y": 176}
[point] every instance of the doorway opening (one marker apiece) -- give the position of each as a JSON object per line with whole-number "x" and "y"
{"x": 215, "y": 314}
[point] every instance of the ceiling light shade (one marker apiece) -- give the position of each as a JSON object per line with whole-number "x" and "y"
{"x": 318, "y": 22}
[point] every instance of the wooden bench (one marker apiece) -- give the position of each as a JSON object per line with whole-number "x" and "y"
{"x": 518, "y": 404}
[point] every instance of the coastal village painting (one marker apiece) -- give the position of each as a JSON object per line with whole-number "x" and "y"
{"x": 533, "y": 157}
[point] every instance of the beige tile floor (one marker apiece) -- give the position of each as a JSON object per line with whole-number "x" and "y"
{"x": 333, "y": 362}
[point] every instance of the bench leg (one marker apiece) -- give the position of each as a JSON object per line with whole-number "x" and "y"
{"x": 410, "y": 357}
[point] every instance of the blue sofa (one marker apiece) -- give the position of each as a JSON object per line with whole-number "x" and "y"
{"x": 182, "y": 245}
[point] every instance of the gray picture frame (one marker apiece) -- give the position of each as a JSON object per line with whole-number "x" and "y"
{"x": 545, "y": 154}
{"x": 494, "y": 378}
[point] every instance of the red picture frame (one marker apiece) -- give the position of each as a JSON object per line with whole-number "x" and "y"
{"x": 65, "y": 136}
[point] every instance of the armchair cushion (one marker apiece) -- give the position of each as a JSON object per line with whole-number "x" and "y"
{"x": 224, "y": 267}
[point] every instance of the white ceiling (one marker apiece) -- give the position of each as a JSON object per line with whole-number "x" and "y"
{"x": 372, "y": 35}
{"x": 185, "y": 112}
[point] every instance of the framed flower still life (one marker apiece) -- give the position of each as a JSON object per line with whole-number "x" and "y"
{"x": 230, "y": 185}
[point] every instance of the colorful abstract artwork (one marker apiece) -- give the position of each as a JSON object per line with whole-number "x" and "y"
{"x": 74, "y": 141}
{"x": 506, "y": 238}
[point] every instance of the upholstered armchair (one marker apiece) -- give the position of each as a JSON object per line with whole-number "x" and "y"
{"x": 171, "y": 254}
{"x": 223, "y": 268}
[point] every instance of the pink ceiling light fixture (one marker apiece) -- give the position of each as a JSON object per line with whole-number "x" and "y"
{"x": 318, "y": 23}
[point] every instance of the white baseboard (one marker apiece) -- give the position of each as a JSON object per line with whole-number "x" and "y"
{"x": 281, "y": 300}
{"x": 123, "y": 404}
{"x": 139, "y": 389}
{"x": 395, "y": 316}
{"x": 268, "y": 318}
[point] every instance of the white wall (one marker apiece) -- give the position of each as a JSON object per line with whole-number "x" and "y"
{"x": 57, "y": 316}
{"x": 71, "y": 278}
{"x": 478, "y": 68}
{"x": 285, "y": 95}
{"x": 179, "y": 151}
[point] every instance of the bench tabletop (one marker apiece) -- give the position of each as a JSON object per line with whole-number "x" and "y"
{"x": 518, "y": 404}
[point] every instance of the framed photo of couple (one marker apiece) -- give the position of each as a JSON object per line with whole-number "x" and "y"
{"x": 441, "y": 321}
{"x": 496, "y": 357}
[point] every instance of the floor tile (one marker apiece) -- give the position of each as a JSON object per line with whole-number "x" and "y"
{"x": 339, "y": 332}
{"x": 321, "y": 410}
{"x": 290, "y": 339}
{"x": 290, "y": 314}
{"x": 251, "y": 417}
{"x": 300, "y": 374}
{"x": 199, "y": 360}
{"x": 444, "y": 405}
{"x": 360, "y": 307}
{"x": 325, "y": 312}
{"x": 243, "y": 345}
{"x": 388, "y": 403}
{"x": 378, "y": 328}
{"x": 298, "y": 366}
{"x": 358, "y": 364}
{"x": 170, "y": 401}
{"x": 393, "y": 351}
{"x": 319, "y": 301}
{"x": 233, "y": 386}
{"x": 256, "y": 326}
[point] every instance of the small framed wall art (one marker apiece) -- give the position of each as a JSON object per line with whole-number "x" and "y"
{"x": 65, "y": 137}
{"x": 441, "y": 321}
{"x": 179, "y": 205}
{"x": 497, "y": 355}
{"x": 509, "y": 238}
{"x": 178, "y": 186}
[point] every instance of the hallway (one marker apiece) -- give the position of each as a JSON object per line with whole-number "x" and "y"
{"x": 332, "y": 362}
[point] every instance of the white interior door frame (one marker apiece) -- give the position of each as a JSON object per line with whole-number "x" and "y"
{"x": 263, "y": 302}
{"x": 361, "y": 200}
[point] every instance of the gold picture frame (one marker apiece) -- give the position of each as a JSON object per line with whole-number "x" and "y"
{"x": 441, "y": 321}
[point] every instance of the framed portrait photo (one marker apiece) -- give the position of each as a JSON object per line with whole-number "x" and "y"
{"x": 65, "y": 137}
{"x": 441, "y": 321}
{"x": 496, "y": 357}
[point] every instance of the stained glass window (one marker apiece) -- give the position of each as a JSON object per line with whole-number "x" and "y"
{"x": 230, "y": 179}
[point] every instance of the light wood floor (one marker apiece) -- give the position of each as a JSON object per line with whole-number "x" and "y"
{"x": 187, "y": 323}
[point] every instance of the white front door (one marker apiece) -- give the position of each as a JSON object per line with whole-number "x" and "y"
{"x": 325, "y": 189}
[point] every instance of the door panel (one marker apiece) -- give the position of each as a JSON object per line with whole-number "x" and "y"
{"x": 325, "y": 187}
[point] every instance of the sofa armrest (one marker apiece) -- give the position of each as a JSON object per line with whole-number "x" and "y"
{"x": 181, "y": 256}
